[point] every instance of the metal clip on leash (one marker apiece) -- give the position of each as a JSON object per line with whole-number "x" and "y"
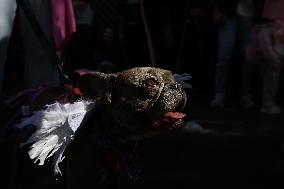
{"x": 64, "y": 79}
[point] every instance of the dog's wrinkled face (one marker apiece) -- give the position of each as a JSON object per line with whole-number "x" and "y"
{"x": 139, "y": 99}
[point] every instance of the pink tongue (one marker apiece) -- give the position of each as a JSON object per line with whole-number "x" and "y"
{"x": 170, "y": 117}
{"x": 174, "y": 115}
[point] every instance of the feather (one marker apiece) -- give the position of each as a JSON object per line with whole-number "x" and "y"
{"x": 55, "y": 129}
{"x": 183, "y": 79}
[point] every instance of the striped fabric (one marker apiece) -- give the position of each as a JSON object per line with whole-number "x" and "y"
{"x": 106, "y": 11}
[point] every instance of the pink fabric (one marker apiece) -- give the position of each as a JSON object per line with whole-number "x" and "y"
{"x": 252, "y": 51}
{"x": 63, "y": 20}
{"x": 261, "y": 47}
{"x": 273, "y": 9}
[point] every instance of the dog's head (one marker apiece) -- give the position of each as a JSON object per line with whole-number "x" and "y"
{"x": 139, "y": 99}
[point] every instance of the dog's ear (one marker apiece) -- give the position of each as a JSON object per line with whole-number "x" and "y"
{"x": 96, "y": 84}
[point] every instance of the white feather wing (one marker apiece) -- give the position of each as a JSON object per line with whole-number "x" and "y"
{"x": 55, "y": 128}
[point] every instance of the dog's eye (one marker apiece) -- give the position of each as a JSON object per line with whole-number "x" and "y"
{"x": 150, "y": 82}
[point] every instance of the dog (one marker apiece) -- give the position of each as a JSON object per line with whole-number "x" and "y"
{"x": 128, "y": 106}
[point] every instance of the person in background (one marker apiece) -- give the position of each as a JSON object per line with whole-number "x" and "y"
{"x": 56, "y": 18}
{"x": 273, "y": 10}
{"x": 78, "y": 53}
{"x": 106, "y": 28}
{"x": 166, "y": 22}
{"x": 38, "y": 67}
{"x": 271, "y": 46}
{"x": 267, "y": 49}
{"x": 132, "y": 34}
{"x": 7, "y": 15}
{"x": 235, "y": 20}
{"x": 197, "y": 43}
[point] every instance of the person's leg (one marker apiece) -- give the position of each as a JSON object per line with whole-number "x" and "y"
{"x": 245, "y": 31}
{"x": 38, "y": 68}
{"x": 271, "y": 79}
{"x": 226, "y": 43}
{"x": 7, "y": 15}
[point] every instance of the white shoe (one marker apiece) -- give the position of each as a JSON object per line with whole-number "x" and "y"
{"x": 271, "y": 108}
{"x": 218, "y": 100}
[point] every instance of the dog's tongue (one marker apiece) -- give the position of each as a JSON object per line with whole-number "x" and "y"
{"x": 174, "y": 116}
{"x": 169, "y": 118}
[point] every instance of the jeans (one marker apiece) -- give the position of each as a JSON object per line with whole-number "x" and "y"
{"x": 271, "y": 81}
{"x": 235, "y": 29}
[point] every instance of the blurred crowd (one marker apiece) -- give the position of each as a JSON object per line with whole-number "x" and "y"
{"x": 213, "y": 40}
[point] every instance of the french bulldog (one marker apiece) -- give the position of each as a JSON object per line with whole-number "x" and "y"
{"x": 129, "y": 106}
{"x": 138, "y": 99}
{"x": 135, "y": 103}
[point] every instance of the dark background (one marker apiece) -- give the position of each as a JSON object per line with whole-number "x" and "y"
{"x": 237, "y": 147}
